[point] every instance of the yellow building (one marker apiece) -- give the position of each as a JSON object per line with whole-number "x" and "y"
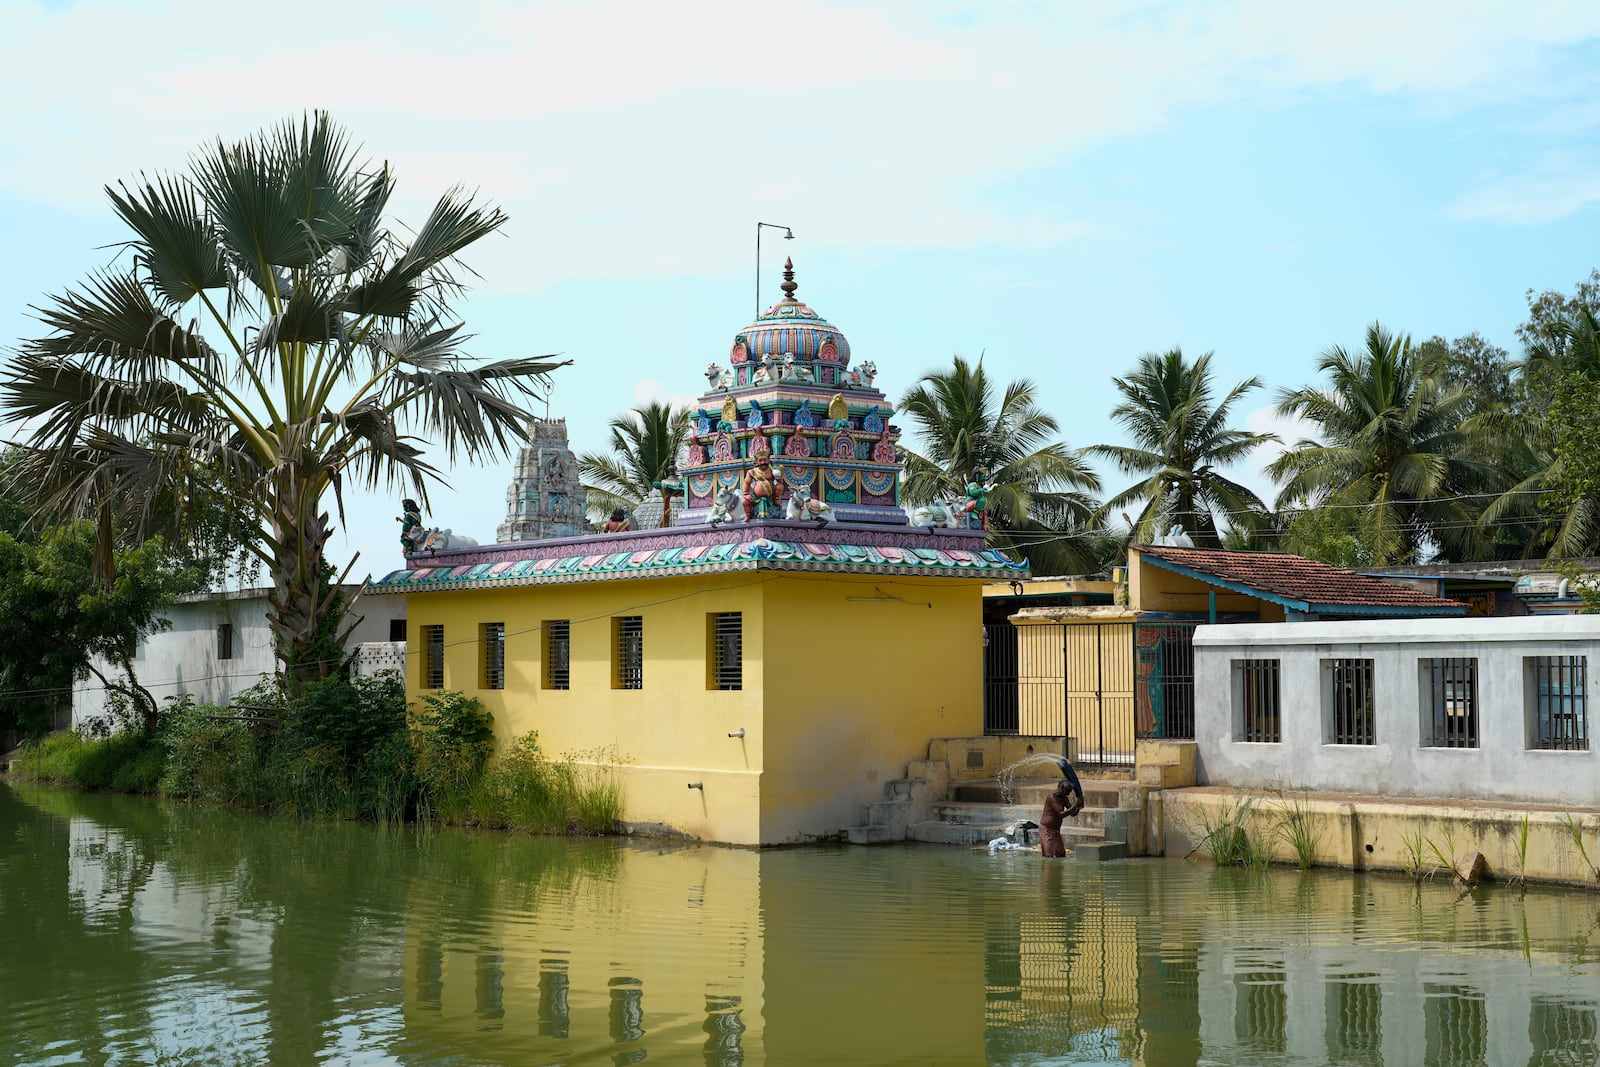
{"x": 753, "y": 678}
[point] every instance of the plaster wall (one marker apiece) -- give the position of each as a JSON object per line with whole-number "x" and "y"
{"x": 670, "y": 732}
{"x": 182, "y": 660}
{"x": 1501, "y": 768}
{"x": 863, "y": 671}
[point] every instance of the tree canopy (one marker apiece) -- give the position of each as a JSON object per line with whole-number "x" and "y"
{"x": 267, "y": 334}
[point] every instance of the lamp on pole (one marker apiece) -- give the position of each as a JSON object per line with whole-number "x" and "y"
{"x": 788, "y": 235}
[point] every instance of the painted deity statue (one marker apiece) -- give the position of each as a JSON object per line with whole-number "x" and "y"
{"x": 412, "y": 534}
{"x": 978, "y": 490}
{"x": 669, "y": 486}
{"x": 760, "y": 487}
{"x": 617, "y": 523}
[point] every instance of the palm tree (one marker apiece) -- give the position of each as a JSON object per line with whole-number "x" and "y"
{"x": 1393, "y": 451}
{"x": 1180, "y": 439}
{"x": 1039, "y": 504}
{"x": 646, "y": 443}
{"x": 270, "y": 333}
{"x": 1550, "y": 504}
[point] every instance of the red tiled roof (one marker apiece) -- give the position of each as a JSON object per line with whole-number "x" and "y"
{"x": 1297, "y": 578}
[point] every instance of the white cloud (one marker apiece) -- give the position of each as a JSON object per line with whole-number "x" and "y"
{"x": 1545, "y": 195}
{"x": 627, "y": 138}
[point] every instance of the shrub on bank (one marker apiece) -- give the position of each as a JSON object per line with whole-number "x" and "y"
{"x": 343, "y": 749}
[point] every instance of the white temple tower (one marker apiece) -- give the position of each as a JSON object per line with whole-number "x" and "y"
{"x": 545, "y": 498}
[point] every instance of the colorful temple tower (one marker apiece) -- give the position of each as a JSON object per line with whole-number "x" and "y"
{"x": 756, "y": 672}
{"x": 789, "y": 392}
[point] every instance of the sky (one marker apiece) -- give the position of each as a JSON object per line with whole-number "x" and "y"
{"x": 1058, "y": 188}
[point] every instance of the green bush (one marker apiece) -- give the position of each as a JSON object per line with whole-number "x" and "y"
{"x": 343, "y": 749}
{"x": 129, "y": 762}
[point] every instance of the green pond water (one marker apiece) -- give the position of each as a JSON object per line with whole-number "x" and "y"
{"x": 135, "y": 932}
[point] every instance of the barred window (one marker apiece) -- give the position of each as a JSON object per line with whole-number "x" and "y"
{"x": 1348, "y": 698}
{"x": 1255, "y": 701}
{"x": 1557, "y": 706}
{"x": 628, "y": 642}
{"x": 557, "y": 653}
{"x": 492, "y": 655}
{"x": 433, "y": 657}
{"x": 225, "y": 641}
{"x": 1450, "y": 702}
{"x": 727, "y": 650}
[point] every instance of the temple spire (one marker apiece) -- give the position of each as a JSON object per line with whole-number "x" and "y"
{"x": 789, "y": 285}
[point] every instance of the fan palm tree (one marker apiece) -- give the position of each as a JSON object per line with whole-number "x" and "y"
{"x": 1180, "y": 439}
{"x": 646, "y": 443}
{"x": 1393, "y": 448}
{"x": 271, "y": 334}
{"x": 1039, "y": 504}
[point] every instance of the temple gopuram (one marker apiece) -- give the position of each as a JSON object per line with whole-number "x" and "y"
{"x": 756, "y": 671}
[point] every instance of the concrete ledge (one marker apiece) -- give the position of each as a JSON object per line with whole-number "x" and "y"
{"x": 1100, "y": 851}
{"x": 1385, "y": 833}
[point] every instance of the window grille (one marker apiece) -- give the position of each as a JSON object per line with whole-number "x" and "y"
{"x": 1350, "y": 693}
{"x": 1450, "y": 703}
{"x": 727, "y": 650}
{"x": 433, "y": 657}
{"x": 492, "y": 654}
{"x": 1256, "y": 695}
{"x": 225, "y": 641}
{"x": 1559, "y": 715}
{"x": 557, "y": 654}
{"x": 397, "y": 629}
{"x": 629, "y": 633}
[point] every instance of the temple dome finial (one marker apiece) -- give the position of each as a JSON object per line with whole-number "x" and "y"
{"x": 789, "y": 285}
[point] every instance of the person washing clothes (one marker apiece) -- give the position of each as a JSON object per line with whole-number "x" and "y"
{"x": 1064, "y": 803}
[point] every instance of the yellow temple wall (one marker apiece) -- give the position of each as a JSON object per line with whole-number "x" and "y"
{"x": 846, "y": 678}
{"x": 861, "y": 672}
{"x": 663, "y": 736}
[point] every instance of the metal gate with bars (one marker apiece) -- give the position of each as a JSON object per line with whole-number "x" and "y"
{"x": 1104, "y": 683}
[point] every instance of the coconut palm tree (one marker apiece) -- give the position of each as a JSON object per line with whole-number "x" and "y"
{"x": 1039, "y": 504}
{"x": 1548, "y": 509}
{"x": 266, "y": 330}
{"x": 1393, "y": 449}
{"x": 646, "y": 444}
{"x": 1180, "y": 440}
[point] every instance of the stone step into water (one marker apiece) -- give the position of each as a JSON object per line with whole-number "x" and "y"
{"x": 943, "y": 833}
{"x": 1097, "y": 793}
{"x": 1007, "y": 814}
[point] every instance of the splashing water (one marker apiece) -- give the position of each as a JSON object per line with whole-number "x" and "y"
{"x": 1008, "y": 773}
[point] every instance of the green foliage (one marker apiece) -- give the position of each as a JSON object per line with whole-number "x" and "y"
{"x": 264, "y": 338}
{"x": 128, "y": 762}
{"x": 1181, "y": 442}
{"x": 1227, "y": 836}
{"x": 1039, "y": 505}
{"x": 1344, "y": 537}
{"x": 343, "y": 750}
{"x": 451, "y": 740}
{"x": 1297, "y": 828}
{"x": 54, "y": 596}
{"x": 645, "y": 445}
{"x": 1415, "y": 864}
{"x": 1391, "y": 445}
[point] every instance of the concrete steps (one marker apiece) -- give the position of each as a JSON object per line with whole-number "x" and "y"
{"x": 927, "y": 806}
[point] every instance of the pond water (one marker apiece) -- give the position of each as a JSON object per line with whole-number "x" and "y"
{"x": 134, "y": 932}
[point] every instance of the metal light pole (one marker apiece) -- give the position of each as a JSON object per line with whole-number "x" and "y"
{"x": 788, "y": 235}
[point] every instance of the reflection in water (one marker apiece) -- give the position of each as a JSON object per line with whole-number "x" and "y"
{"x": 134, "y": 932}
